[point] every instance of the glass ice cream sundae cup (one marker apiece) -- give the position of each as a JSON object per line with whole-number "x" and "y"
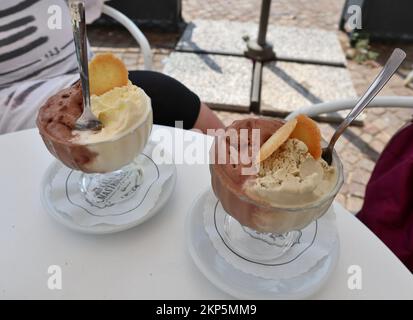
{"x": 290, "y": 188}
{"x": 108, "y": 157}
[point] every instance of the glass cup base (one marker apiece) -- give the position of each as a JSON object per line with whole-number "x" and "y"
{"x": 106, "y": 189}
{"x": 257, "y": 246}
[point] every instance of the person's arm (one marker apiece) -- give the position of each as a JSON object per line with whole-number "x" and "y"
{"x": 207, "y": 119}
{"x": 172, "y": 101}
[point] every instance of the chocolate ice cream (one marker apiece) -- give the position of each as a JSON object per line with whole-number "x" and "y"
{"x": 56, "y": 120}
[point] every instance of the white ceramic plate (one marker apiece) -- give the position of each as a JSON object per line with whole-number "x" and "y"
{"x": 166, "y": 192}
{"x": 247, "y": 286}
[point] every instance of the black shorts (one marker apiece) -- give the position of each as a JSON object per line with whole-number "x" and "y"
{"x": 171, "y": 100}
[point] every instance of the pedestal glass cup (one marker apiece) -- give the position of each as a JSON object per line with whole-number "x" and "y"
{"x": 113, "y": 173}
{"x": 263, "y": 233}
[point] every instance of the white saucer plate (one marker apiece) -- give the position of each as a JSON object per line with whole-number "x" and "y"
{"x": 103, "y": 228}
{"x": 243, "y": 285}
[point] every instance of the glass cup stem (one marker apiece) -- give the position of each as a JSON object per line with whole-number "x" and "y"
{"x": 106, "y": 189}
{"x": 257, "y": 246}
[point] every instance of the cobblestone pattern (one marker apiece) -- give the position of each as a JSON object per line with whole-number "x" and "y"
{"x": 323, "y": 14}
{"x": 360, "y": 148}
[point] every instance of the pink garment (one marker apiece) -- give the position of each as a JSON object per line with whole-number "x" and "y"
{"x": 388, "y": 203}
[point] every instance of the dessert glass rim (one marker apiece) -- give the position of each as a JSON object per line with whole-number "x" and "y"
{"x": 337, "y": 164}
{"x": 149, "y": 111}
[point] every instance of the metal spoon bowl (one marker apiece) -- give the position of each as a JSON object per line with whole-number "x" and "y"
{"x": 382, "y": 78}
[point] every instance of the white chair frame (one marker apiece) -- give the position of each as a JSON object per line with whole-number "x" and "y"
{"x": 334, "y": 106}
{"x": 135, "y": 32}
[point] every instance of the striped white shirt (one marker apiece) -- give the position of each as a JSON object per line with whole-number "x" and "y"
{"x": 36, "y": 61}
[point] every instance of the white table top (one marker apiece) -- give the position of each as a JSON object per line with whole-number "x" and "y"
{"x": 150, "y": 261}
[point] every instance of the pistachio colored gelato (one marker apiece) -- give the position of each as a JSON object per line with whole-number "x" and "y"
{"x": 291, "y": 177}
{"x": 120, "y": 110}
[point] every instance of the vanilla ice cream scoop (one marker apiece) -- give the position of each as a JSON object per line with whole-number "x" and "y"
{"x": 291, "y": 177}
{"x": 126, "y": 115}
{"x": 120, "y": 110}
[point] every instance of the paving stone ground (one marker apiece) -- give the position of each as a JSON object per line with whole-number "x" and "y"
{"x": 227, "y": 37}
{"x": 361, "y": 146}
{"x": 223, "y": 81}
{"x": 287, "y": 86}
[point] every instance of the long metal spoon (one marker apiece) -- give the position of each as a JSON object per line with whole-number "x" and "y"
{"x": 382, "y": 78}
{"x": 87, "y": 121}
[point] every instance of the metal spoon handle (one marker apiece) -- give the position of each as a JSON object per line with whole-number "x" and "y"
{"x": 382, "y": 78}
{"x": 77, "y": 9}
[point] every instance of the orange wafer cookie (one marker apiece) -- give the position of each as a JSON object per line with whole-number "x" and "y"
{"x": 276, "y": 140}
{"x": 106, "y": 72}
{"x": 308, "y": 132}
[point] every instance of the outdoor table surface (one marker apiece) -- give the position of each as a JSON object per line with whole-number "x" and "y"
{"x": 150, "y": 261}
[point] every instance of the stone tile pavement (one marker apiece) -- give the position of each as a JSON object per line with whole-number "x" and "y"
{"x": 287, "y": 85}
{"x": 223, "y": 81}
{"x": 227, "y": 37}
{"x": 361, "y": 146}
